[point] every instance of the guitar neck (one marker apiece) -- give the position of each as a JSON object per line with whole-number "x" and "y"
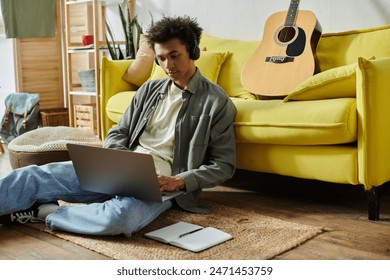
{"x": 292, "y": 13}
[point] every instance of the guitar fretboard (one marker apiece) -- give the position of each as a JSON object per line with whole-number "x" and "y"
{"x": 292, "y": 13}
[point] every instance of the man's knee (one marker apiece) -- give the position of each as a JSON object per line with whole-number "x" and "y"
{"x": 119, "y": 217}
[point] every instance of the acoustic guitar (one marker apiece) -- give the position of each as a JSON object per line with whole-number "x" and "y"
{"x": 286, "y": 54}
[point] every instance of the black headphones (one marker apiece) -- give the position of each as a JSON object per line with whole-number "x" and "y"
{"x": 194, "y": 53}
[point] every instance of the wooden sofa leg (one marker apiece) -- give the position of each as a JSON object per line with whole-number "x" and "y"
{"x": 373, "y": 204}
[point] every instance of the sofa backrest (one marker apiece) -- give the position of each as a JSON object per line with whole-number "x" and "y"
{"x": 230, "y": 74}
{"x": 343, "y": 48}
{"x": 334, "y": 50}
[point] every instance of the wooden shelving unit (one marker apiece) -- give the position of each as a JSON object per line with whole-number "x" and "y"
{"x": 84, "y": 17}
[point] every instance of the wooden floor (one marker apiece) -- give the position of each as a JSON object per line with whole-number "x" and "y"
{"x": 339, "y": 209}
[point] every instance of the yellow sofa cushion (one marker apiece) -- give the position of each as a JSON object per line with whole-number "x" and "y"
{"x": 276, "y": 122}
{"x": 343, "y": 48}
{"x": 230, "y": 75}
{"x": 315, "y": 122}
{"x": 118, "y": 104}
{"x": 333, "y": 83}
{"x": 209, "y": 64}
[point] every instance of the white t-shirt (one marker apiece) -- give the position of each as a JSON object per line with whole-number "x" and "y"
{"x": 158, "y": 136}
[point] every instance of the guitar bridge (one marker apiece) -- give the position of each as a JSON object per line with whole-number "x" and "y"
{"x": 279, "y": 59}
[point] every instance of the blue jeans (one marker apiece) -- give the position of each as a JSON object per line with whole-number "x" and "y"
{"x": 57, "y": 181}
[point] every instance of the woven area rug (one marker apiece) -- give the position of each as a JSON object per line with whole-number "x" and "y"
{"x": 255, "y": 236}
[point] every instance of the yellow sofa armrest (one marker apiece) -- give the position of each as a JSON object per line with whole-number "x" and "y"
{"x": 111, "y": 83}
{"x": 373, "y": 108}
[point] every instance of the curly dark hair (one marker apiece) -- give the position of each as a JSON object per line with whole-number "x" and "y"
{"x": 184, "y": 28}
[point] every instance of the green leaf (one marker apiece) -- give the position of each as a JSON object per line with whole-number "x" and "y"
{"x": 124, "y": 27}
{"x": 111, "y": 44}
{"x": 132, "y": 32}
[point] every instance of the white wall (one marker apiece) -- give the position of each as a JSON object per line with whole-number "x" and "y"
{"x": 244, "y": 19}
{"x": 113, "y": 20}
{"x": 7, "y": 72}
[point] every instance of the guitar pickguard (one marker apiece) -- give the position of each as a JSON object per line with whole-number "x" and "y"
{"x": 297, "y": 47}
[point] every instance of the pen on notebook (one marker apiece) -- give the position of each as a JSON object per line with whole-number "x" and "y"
{"x": 187, "y": 233}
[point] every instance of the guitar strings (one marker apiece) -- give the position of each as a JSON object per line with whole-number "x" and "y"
{"x": 288, "y": 31}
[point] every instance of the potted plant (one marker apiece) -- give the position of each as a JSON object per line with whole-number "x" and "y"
{"x": 132, "y": 31}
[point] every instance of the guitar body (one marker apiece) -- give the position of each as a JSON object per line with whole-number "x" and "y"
{"x": 285, "y": 56}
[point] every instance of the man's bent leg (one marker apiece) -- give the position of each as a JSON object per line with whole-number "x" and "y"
{"x": 119, "y": 215}
{"x": 55, "y": 181}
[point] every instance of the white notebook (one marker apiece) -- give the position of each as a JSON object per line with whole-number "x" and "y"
{"x": 189, "y": 236}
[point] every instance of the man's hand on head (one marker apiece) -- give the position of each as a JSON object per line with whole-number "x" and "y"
{"x": 170, "y": 183}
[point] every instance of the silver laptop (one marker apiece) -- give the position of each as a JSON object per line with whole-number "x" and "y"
{"x": 117, "y": 172}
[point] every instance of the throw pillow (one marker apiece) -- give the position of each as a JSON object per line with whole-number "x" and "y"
{"x": 333, "y": 83}
{"x": 209, "y": 64}
{"x": 139, "y": 70}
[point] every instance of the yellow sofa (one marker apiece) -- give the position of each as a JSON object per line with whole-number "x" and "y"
{"x": 333, "y": 127}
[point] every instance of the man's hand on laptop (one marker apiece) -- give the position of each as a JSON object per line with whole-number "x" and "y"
{"x": 170, "y": 183}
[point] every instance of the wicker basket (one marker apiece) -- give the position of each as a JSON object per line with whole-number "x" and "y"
{"x": 55, "y": 117}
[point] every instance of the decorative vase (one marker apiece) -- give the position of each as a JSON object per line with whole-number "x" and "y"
{"x": 87, "y": 79}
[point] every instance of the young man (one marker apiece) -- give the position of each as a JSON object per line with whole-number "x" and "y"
{"x": 184, "y": 121}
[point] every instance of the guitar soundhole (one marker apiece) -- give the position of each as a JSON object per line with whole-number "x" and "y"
{"x": 286, "y": 34}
